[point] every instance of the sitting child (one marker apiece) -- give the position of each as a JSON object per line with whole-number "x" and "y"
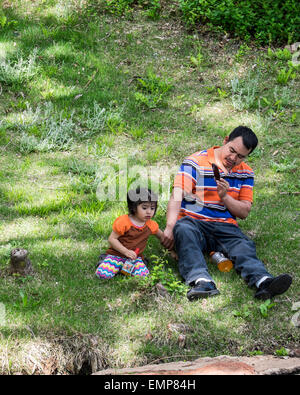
{"x": 130, "y": 232}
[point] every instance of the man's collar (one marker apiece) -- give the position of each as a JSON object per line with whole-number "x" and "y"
{"x": 211, "y": 154}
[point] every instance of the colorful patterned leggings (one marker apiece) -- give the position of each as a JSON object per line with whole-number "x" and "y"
{"x": 111, "y": 265}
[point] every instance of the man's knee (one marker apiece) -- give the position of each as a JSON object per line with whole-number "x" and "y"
{"x": 182, "y": 226}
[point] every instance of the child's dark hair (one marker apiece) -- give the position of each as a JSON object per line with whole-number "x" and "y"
{"x": 137, "y": 196}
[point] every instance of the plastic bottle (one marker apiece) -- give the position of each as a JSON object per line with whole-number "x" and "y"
{"x": 224, "y": 264}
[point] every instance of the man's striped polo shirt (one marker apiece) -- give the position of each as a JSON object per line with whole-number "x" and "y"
{"x": 202, "y": 201}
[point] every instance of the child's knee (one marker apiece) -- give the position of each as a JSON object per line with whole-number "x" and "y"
{"x": 109, "y": 268}
{"x": 140, "y": 269}
{"x": 104, "y": 273}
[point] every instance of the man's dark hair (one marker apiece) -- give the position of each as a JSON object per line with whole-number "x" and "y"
{"x": 137, "y": 196}
{"x": 250, "y": 140}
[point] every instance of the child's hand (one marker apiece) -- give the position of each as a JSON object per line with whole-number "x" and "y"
{"x": 131, "y": 254}
{"x": 173, "y": 254}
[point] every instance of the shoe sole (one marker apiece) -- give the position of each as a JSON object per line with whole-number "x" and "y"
{"x": 277, "y": 287}
{"x": 204, "y": 294}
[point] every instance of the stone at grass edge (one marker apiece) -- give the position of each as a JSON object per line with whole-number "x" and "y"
{"x": 222, "y": 365}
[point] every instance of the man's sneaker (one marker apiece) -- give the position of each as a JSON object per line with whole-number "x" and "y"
{"x": 202, "y": 289}
{"x": 273, "y": 286}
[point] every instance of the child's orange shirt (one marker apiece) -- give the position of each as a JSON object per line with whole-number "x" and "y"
{"x": 131, "y": 235}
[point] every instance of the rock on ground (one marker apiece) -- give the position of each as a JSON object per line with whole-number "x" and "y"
{"x": 222, "y": 365}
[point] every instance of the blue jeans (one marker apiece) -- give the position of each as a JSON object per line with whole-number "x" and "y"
{"x": 193, "y": 237}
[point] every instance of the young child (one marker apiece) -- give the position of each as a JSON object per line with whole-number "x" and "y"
{"x": 131, "y": 231}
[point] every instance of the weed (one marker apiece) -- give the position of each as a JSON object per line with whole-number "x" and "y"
{"x": 6, "y": 24}
{"x": 244, "y": 94}
{"x": 24, "y": 298}
{"x": 265, "y": 307}
{"x": 256, "y": 352}
{"x": 284, "y": 166}
{"x": 94, "y": 120}
{"x": 161, "y": 274}
{"x": 154, "y": 9}
{"x": 114, "y": 122}
{"x": 242, "y": 52}
{"x": 282, "y": 352}
{"x": 152, "y": 91}
{"x": 20, "y": 70}
{"x": 244, "y": 313}
{"x": 222, "y": 93}
{"x": 197, "y": 60}
{"x": 281, "y": 54}
{"x": 137, "y": 132}
{"x": 285, "y": 75}
{"x": 118, "y": 7}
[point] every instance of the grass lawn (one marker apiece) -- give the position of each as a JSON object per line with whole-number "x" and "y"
{"x": 89, "y": 103}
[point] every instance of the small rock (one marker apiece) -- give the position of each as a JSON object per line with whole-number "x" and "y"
{"x": 181, "y": 340}
{"x": 295, "y": 353}
{"x": 296, "y": 306}
{"x": 161, "y": 290}
{"x": 296, "y": 319}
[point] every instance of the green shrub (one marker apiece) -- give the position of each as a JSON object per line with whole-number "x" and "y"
{"x": 118, "y": 7}
{"x": 265, "y": 20}
{"x": 164, "y": 275}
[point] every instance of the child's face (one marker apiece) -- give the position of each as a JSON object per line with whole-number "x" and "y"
{"x": 145, "y": 211}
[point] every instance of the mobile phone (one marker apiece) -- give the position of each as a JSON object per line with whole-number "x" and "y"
{"x": 216, "y": 171}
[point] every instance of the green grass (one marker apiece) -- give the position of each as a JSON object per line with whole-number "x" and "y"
{"x": 69, "y": 76}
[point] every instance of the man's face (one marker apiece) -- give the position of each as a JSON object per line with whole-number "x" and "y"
{"x": 233, "y": 152}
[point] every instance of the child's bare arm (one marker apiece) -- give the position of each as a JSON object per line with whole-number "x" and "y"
{"x": 118, "y": 246}
{"x": 160, "y": 236}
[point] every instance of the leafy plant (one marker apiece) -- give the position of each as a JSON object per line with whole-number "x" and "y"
{"x": 18, "y": 70}
{"x": 273, "y": 107}
{"x": 244, "y": 313}
{"x": 256, "y": 352}
{"x": 282, "y": 352}
{"x": 285, "y": 75}
{"x": 281, "y": 54}
{"x": 244, "y": 93}
{"x": 137, "y": 132}
{"x": 24, "y": 298}
{"x": 161, "y": 274}
{"x": 243, "y": 50}
{"x": 152, "y": 91}
{"x": 118, "y": 7}
{"x": 197, "y": 60}
{"x": 222, "y": 93}
{"x": 154, "y": 9}
{"x": 284, "y": 165}
{"x": 265, "y": 307}
{"x": 4, "y": 23}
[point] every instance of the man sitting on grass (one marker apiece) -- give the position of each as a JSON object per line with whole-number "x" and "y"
{"x": 201, "y": 216}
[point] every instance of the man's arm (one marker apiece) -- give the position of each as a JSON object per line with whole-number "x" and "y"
{"x": 238, "y": 208}
{"x": 172, "y": 214}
